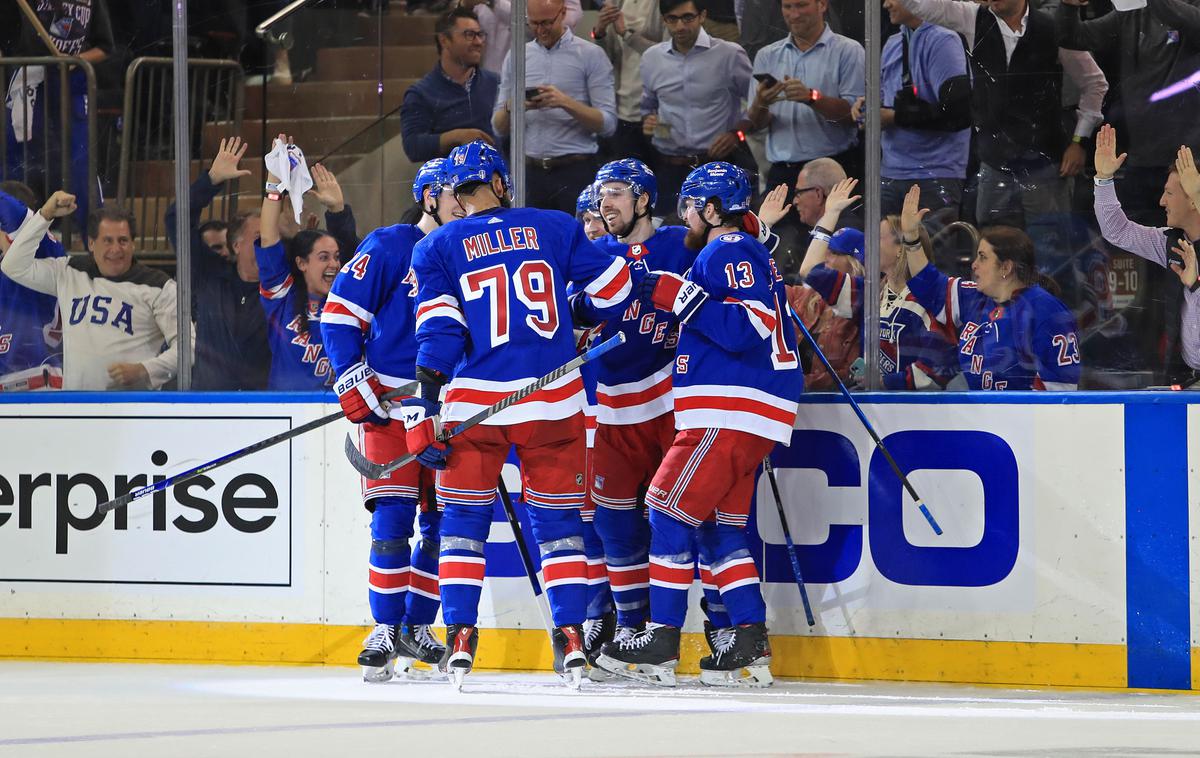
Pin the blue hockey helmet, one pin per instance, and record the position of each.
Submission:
(475, 162)
(633, 172)
(718, 180)
(588, 202)
(848, 241)
(430, 174)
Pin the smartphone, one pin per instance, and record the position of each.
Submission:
(767, 79)
(532, 92)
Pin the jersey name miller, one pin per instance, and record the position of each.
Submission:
(500, 241)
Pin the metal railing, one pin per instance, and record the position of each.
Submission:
(146, 181)
(28, 168)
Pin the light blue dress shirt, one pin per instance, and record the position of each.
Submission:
(836, 67)
(700, 94)
(580, 70)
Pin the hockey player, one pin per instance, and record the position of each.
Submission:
(368, 326)
(635, 420)
(587, 212)
(736, 386)
(492, 312)
(294, 312)
(1012, 333)
(29, 330)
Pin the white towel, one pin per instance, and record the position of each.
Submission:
(287, 163)
(22, 99)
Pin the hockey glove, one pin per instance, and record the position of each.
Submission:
(422, 424)
(358, 391)
(671, 292)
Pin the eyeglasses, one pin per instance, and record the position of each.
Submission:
(685, 18)
(801, 190)
(548, 22)
(471, 35)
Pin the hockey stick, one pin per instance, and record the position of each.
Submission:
(530, 570)
(791, 546)
(149, 489)
(372, 470)
(863, 418)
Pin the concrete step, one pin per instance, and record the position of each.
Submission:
(316, 137)
(359, 63)
(320, 99)
(397, 28)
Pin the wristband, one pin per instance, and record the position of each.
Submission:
(276, 187)
(274, 196)
(814, 95)
(911, 243)
(822, 230)
(1077, 139)
(740, 135)
(820, 234)
(1102, 182)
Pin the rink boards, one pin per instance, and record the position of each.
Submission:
(1068, 555)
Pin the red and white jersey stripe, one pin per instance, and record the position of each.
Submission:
(612, 287)
(444, 306)
(560, 399)
(729, 406)
(339, 310)
(635, 402)
(278, 291)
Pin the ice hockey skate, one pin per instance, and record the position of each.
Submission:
(595, 633)
(378, 656)
(650, 656)
(570, 661)
(418, 651)
(459, 657)
(741, 657)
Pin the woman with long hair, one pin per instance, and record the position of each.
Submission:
(1013, 332)
(294, 279)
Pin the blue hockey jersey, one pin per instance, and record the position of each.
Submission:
(736, 366)
(492, 308)
(298, 361)
(1028, 343)
(30, 331)
(915, 351)
(634, 380)
(370, 313)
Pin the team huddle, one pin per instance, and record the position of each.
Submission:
(636, 471)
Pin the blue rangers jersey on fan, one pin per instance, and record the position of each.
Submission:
(634, 380)
(298, 360)
(1028, 343)
(492, 308)
(736, 366)
(915, 351)
(370, 314)
(30, 331)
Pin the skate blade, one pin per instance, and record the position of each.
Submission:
(457, 675)
(415, 669)
(597, 674)
(756, 674)
(573, 677)
(659, 676)
(379, 674)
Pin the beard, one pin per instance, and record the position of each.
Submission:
(695, 240)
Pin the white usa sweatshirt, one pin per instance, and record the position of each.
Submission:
(126, 319)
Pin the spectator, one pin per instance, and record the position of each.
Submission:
(626, 29)
(452, 105)
(1016, 105)
(570, 98)
(1153, 46)
(1179, 359)
(310, 260)
(792, 222)
(496, 19)
(30, 332)
(119, 313)
(914, 353)
(926, 97)
(231, 332)
(80, 28)
(1013, 333)
(215, 236)
(806, 85)
(693, 89)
